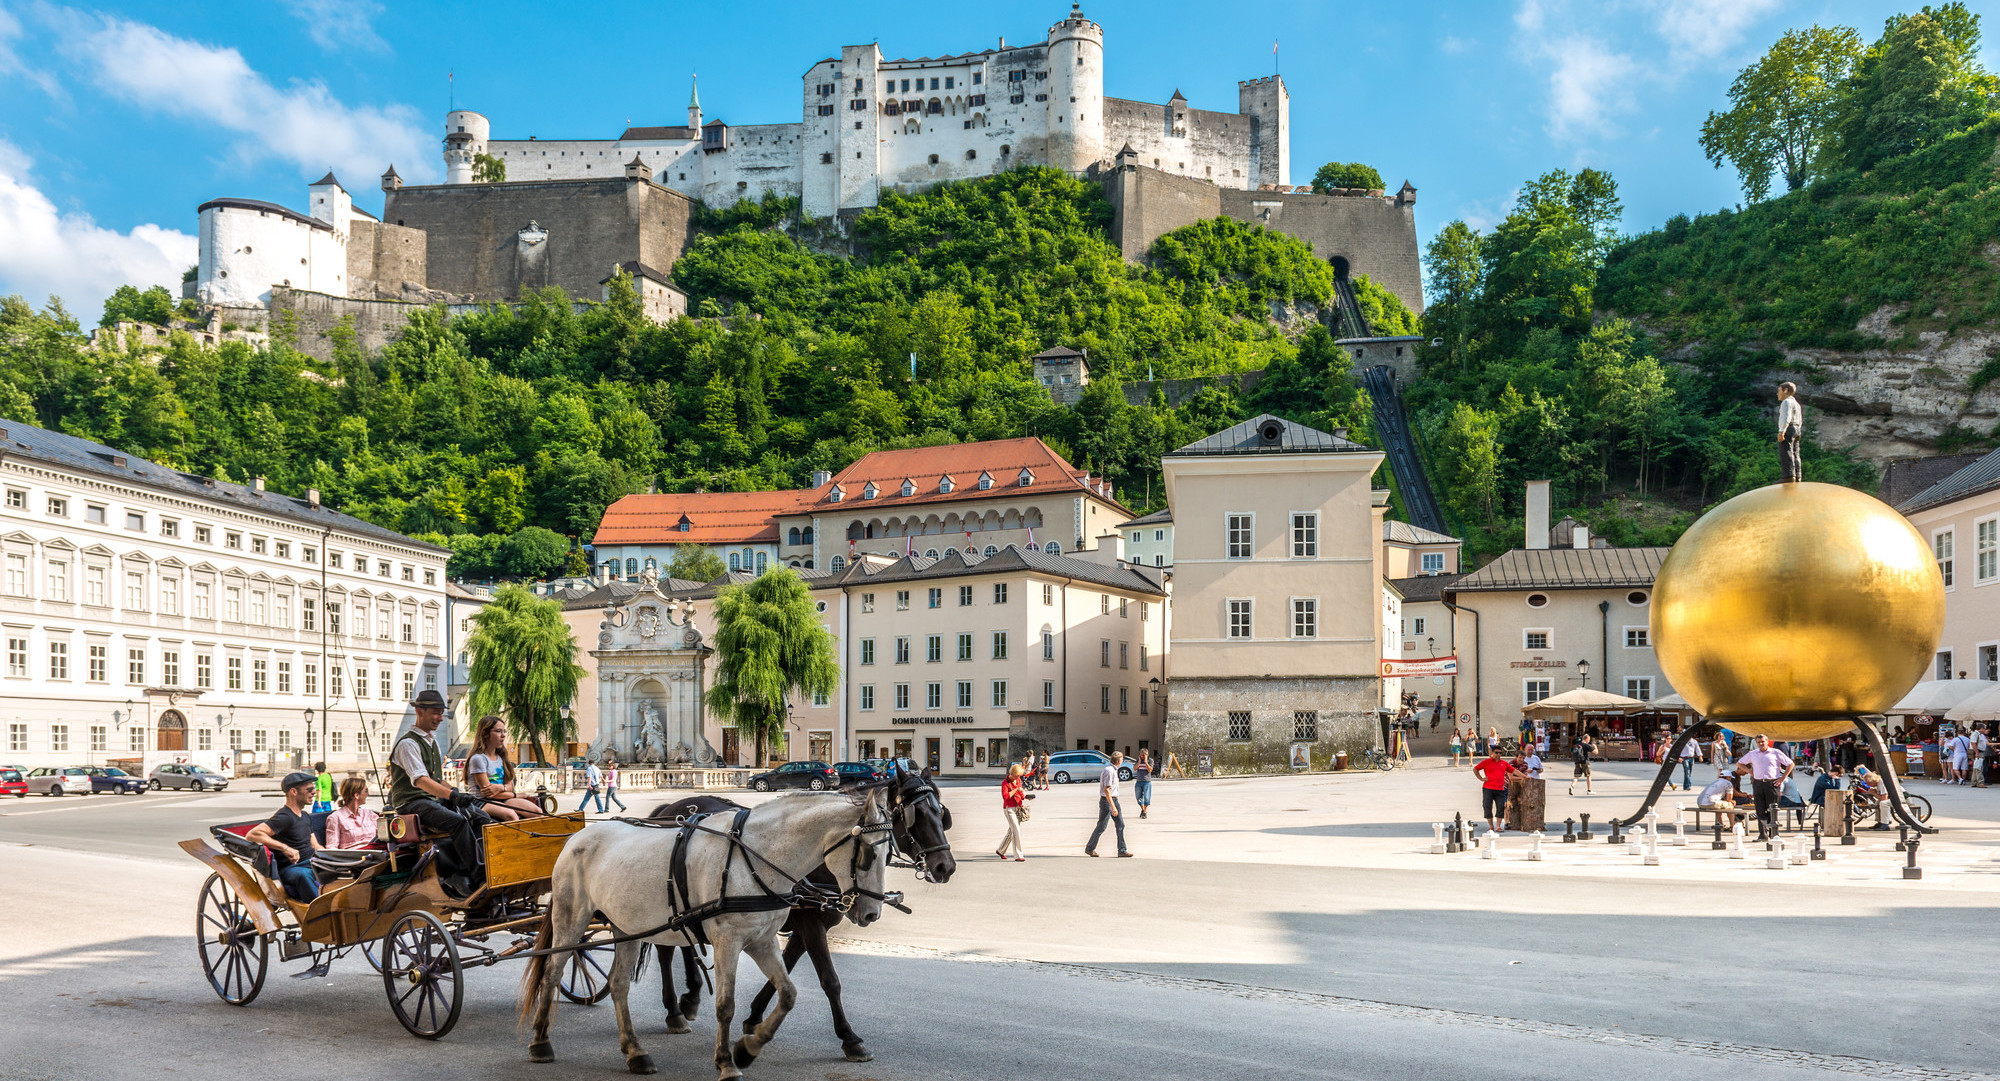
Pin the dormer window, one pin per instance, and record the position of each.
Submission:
(685, 525)
(869, 491)
(836, 495)
(945, 484)
(985, 481)
(909, 486)
(1027, 478)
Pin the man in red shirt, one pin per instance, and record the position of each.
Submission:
(1493, 771)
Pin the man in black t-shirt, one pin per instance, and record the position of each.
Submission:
(288, 834)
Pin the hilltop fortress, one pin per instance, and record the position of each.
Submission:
(573, 212)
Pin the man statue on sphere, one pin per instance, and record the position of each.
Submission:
(1791, 427)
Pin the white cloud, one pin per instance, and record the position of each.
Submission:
(1698, 30)
(1455, 46)
(1588, 84)
(302, 123)
(68, 255)
(10, 61)
(338, 24)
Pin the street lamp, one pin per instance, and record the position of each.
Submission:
(321, 745)
(1583, 671)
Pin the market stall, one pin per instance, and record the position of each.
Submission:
(1606, 716)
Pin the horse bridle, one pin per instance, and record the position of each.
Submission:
(905, 833)
(863, 858)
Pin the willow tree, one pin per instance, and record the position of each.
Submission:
(769, 645)
(524, 665)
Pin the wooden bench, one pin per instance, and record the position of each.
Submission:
(1799, 817)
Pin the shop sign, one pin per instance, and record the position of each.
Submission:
(1539, 663)
(934, 720)
(1432, 666)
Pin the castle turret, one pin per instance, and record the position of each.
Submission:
(1076, 92)
(465, 134)
(390, 181)
(637, 169)
(330, 203)
(1269, 106)
(694, 103)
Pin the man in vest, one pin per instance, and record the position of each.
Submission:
(416, 787)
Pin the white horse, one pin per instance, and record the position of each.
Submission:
(623, 871)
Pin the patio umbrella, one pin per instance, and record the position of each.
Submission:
(1937, 696)
(1984, 706)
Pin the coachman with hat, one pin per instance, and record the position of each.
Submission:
(416, 787)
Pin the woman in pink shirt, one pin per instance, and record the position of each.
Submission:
(351, 824)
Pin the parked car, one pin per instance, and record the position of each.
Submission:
(860, 772)
(817, 776)
(888, 765)
(113, 779)
(59, 781)
(12, 783)
(1067, 766)
(198, 778)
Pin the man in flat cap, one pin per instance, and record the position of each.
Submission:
(288, 834)
(416, 787)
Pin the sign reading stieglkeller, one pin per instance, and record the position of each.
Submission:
(1538, 663)
(934, 720)
(1430, 666)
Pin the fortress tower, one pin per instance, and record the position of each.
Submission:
(1269, 106)
(1076, 93)
(465, 134)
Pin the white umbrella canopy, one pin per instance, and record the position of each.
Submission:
(1585, 699)
(1936, 696)
(1984, 706)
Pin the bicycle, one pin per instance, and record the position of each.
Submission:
(1376, 758)
(1861, 806)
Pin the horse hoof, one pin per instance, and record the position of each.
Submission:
(640, 1064)
(744, 1057)
(541, 1052)
(677, 1026)
(857, 1052)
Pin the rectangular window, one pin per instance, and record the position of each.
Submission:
(309, 554)
(868, 651)
(937, 598)
(232, 540)
(1144, 665)
(430, 629)
(1104, 699)
(332, 617)
(93, 514)
(260, 740)
(58, 660)
(284, 549)
(934, 648)
(309, 672)
(1048, 645)
(361, 681)
(999, 694)
(135, 667)
(333, 741)
(170, 668)
(1535, 640)
(233, 666)
(308, 614)
(1145, 612)
(999, 645)
(964, 596)
(965, 645)
(1124, 654)
(203, 535)
(1533, 691)
(1305, 725)
(1239, 726)
(204, 740)
(1433, 562)
(933, 696)
(867, 696)
(1048, 694)
(58, 580)
(1638, 637)
(59, 507)
(1640, 687)
(1241, 536)
(93, 587)
(902, 651)
(17, 734)
(1943, 665)
(257, 607)
(964, 694)
(1941, 544)
(170, 596)
(1986, 550)
(430, 677)
(204, 600)
(256, 546)
(99, 738)
(135, 740)
(232, 605)
(135, 591)
(1104, 605)
(1145, 702)
(1048, 593)
(999, 593)
(17, 575)
(409, 683)
(1104, 653)
(1239, 618)
(902, 600)
(17, 499)
(204, 671)
(409, 627)
(902, 696)
(868, 602)
(260, 675)
(59, 737)
(1305, 535)
(17, 656)
(99, 660)
(1124, 700)
(1417, 625)
(236, 739)
(284, 677)
(1305, 617)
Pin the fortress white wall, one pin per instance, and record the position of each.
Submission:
(243, 252)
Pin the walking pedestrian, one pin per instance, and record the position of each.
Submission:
(611, 784)
(1142, 782)
(1690, 754)
(1579, 757)
(1107, 806)
(1457, 746)
(1719, 753)
(1768, 769)
(1493, 771)
(1980, 746)
(593, 780)
(322, 789)
(1013, 806)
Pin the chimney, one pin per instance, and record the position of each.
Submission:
(312, 497)
(257, 484)
(1580, 538)
(821, 478)
(1538, 514)
(1110, 551)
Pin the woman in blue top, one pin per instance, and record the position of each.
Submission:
(1142, 790)
(490, 773)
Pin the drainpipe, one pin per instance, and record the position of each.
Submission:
(1604, 644)
(1477, 719)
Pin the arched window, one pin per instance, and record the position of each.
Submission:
(631, 568)
(991, 551)
(794, 564)
(760, 562)
(809, 564)
(839, 564)
(806, 537)
(792, 535)
(930, 553)
(611, 568)
(1052, 548)
(652, 564)
(971, 551)
(735, 562)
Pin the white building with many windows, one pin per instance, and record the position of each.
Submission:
(152, 616)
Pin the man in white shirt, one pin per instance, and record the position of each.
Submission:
(1979, 750)
(1107, 806)
(1721, 793)
(1791, 428)
(416, 787)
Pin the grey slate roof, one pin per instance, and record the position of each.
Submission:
(625, 587)
(1163, 516)
(268, 208)
(18, 440)
(954, 564)
(1242, 439)
(1426, 587)
(1979, 477)
(1405, 533)
(1565, 568)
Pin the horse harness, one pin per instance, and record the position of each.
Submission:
(691, 919)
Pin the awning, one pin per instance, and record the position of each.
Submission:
(1938, 696)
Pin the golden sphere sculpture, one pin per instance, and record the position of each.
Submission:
(1792, 609)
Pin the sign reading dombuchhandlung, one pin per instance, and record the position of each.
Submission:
(1430, 666)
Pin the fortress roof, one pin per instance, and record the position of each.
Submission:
(268, 208)
(329, 178)
(667, 132)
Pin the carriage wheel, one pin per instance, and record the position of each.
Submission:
(371, 951)
(586, 972)
(422, 974)
(233, 954)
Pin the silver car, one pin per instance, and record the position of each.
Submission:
(176, 775)
(59, 781)
(1082, 766)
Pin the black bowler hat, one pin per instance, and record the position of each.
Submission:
(428, 700)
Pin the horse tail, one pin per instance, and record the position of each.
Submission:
(538, 965)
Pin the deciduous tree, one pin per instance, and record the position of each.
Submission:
(769, 645)
(1781, 109)
(524, 665)
(1346, 174)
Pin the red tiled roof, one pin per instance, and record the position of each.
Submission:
(963, 462)
(714, 517)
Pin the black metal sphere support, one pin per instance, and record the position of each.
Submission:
(1873, 733)
(1667, 764)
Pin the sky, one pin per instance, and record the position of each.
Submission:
(117, 121)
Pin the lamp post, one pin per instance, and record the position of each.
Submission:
(320, 746)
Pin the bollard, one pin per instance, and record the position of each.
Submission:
(1616, 838)
(1437, 839)
(1652, 848)
(1800, 856)
(1535, 846)
(1584, 833)
(1718, 845)
(1569, 831)
(1736, 843)
(1911, 871)
(1818, 853)
(1491, 849)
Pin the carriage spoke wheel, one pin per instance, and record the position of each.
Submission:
(586, 972)
(371, 951)
(233, 954)
(422, 975)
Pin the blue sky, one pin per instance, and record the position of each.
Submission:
(116, 121)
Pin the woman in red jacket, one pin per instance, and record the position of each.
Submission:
(1013, 798)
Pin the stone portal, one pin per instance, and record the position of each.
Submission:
(650, 667)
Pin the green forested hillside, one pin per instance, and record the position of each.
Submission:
(538, 416)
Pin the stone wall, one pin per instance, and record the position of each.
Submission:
(1180, 390)
(1198, 716)
(1146, 202)
(1202, 145)
(381, 257)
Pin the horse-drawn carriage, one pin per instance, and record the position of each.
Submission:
(388, 903)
